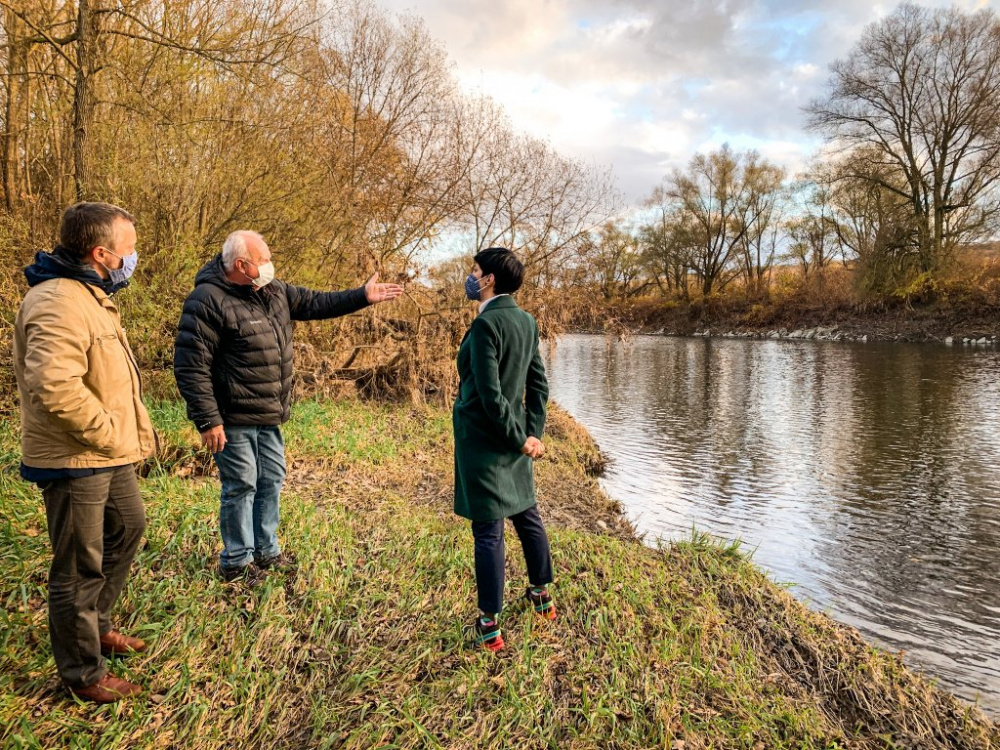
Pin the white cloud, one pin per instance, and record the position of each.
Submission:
(645, 84)
(575, 117)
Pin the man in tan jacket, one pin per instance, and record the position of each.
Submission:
(83, 430)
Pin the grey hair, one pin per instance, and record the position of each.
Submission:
(235, 247)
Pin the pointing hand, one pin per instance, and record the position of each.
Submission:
(375, 292)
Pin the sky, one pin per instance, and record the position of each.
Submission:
(643, 85)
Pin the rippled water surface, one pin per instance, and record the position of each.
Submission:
(866, 474)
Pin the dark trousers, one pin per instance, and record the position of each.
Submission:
(95, 526)
(489, 544)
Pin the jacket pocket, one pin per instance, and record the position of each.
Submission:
(110, 369)
(109, 379)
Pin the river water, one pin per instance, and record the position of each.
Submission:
(867, 475)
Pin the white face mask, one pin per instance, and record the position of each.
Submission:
(265, 274)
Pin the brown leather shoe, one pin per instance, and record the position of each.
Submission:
(249, 575)
(114, 643)
(108, 689)
(283, 562)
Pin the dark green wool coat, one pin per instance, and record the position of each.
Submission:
(501, 401)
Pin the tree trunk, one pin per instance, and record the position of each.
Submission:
(83, 100)
(9, 137)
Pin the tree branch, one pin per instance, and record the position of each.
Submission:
(44, 36)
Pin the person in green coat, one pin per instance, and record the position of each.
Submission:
(498, 419)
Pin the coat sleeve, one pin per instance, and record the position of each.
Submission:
(194, 353)
(484, 351)
(55, 364)
(308, 304)
(536, 393)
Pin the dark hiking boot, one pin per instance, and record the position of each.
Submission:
(282, 562)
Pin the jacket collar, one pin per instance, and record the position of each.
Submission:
(502, 302)
(62, 264)
(214, 273)
(102, 297)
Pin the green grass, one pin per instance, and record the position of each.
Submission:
(361, 431)
(364, 647)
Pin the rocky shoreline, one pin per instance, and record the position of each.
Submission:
(834, 333)
(954, 324)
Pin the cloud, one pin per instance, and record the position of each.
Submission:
(647, 84)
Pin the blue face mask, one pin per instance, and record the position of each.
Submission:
(120, 276)
(472, 290)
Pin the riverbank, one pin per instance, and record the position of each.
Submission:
(689, 646)
(956, 322)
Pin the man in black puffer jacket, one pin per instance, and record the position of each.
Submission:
(233, 365)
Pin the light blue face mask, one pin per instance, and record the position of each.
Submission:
(120, 276)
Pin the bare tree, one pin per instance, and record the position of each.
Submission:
(81, 38)
(522, 194)
(34, 115)
(664, 245)
(846, 210)
(813, 234)
(390, 141)
(921, 90)
(725, 202)
(613, 261)
(760, 221)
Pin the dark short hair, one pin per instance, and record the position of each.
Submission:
(89, 224)
(507, 270)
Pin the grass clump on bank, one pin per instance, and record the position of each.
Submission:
(685, 647)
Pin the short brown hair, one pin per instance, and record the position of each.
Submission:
(89, 224)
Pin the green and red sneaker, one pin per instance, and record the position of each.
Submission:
(541, 601)
(487, 634)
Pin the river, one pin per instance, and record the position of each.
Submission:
(867, 475)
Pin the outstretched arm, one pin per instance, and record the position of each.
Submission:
(308, 304)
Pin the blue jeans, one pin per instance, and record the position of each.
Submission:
(252, 471)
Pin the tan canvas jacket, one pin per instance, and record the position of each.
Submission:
(78, 381)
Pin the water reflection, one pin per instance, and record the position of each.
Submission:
(865, 474)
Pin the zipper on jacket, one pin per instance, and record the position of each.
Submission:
(133, 363)
(138, 379)
(265, 302)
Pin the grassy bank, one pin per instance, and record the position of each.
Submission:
(685, 647)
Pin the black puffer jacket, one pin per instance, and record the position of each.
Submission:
(233, 354)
